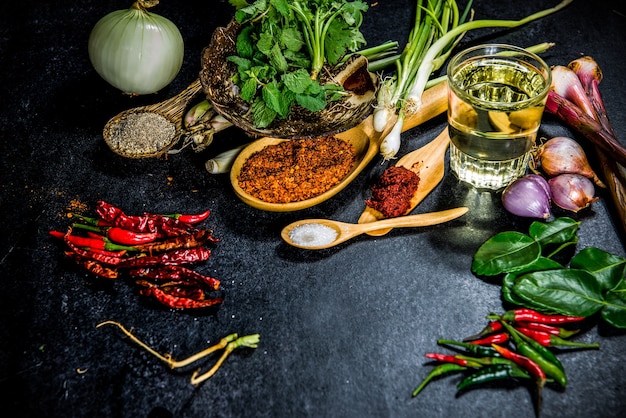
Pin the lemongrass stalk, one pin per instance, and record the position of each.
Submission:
(223, 162)
(427, 66)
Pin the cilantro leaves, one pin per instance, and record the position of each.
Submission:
(283, 46)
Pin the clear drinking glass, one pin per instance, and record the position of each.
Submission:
(496, 98)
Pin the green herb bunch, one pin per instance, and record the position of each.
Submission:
(282, 47)
(593, 282)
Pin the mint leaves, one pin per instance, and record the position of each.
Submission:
(283, 46)
(593, 282)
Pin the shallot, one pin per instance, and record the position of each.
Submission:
(528, 196)
(572, 192)
(563, 155)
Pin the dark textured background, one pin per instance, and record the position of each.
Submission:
(343, 331)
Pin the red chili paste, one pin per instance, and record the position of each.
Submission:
(393, 192)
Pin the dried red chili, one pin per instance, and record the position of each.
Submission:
(392, 193)
(190, 240)
(175, 257)
(176, 302)
(162, 225)
(175, 273)
(93, 266)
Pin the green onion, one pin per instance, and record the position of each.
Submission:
(438, 28)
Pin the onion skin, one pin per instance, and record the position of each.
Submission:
(528, 197)
(563, 155)
(572, 192)
(136, 51)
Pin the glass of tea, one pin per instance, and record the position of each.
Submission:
(496, 98)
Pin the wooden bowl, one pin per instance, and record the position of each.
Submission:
(363, 141)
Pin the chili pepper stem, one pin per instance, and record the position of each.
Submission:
(230, 343)
(245, 341)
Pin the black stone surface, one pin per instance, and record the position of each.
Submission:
(343, 331)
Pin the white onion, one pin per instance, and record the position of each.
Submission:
(136, 51)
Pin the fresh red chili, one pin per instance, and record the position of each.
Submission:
(175, 302)
(524, 362)
(190, 218)
(124, 236)
(447, 358)
(175, 257)
(537, 326)
(103, 258)
(175, 273)
(550, 340)
(91, 242)
(498, 338)
(493, 326)
(525, 314)
(117, 234)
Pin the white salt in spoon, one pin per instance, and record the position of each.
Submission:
(317, 234)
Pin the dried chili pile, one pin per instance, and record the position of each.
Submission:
(392, 193)
(296, 170)
(155, 251)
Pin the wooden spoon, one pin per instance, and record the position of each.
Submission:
(172, 109)
(363, 138)
(428, 163)
(345, 231)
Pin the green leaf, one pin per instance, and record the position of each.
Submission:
(559, 231)
(262, 115)
(311, 103)
(564, 291)
(282, 6)
(243, 64)
(273, 98)
(615, 310)
(608, 269)
(265, 43)
(244, 44)
(297, 81)
(504, 253)
(277, 59)
(540, 264)
(292, 39)
(248, 90)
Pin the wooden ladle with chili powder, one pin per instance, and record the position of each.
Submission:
(364, 141)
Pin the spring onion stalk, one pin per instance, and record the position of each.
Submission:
(445, 27)
(433, 19)
(430, 58)
(223, 162)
